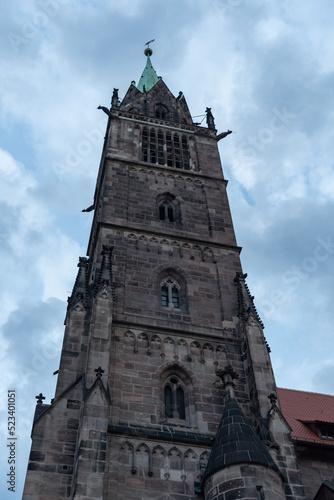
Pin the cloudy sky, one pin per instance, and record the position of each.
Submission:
(267, 71)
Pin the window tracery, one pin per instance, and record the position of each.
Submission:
(166, 211)
(165, 148)
(174, 399)
(170, 296)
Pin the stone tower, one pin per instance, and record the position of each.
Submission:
(165, 387)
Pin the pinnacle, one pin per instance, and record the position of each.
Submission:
(80, 288)
(105, 274)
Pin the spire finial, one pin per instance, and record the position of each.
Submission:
(149, 77)
(148, 51)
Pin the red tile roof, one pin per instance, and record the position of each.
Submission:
(299, 407)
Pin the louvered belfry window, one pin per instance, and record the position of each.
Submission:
(165, 148)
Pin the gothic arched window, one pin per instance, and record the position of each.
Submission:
(170, 293)
(161, 111)
(166, 211)
(174, 399)
(165, 148)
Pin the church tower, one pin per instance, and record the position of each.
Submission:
(165, 387)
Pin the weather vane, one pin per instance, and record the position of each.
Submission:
(148, 43)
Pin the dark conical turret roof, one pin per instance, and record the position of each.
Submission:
(236, 442)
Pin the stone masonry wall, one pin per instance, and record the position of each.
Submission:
(316, 465)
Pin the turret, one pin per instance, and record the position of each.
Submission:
(239, 462)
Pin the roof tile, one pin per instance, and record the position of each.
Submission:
(299, 407)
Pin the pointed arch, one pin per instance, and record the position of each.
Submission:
(175, 458)
(177, 395)
(203, 461)
(142, 455)
(158, 459)
(169, 340)
(161, 111)
(208, 351)
(171, 291)
(190, 460)
(155, 342)
(168, 208)
(126, 454)
(143, 337)
(195, 349)
(182, 349)
(129, 338)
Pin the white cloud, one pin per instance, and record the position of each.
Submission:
(39, 259)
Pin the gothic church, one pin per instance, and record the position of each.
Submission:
(165, 387)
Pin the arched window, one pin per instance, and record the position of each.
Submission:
(166, 211)
(168, 208)
(165, 149)
(161, 111)
(174, 399)
(170, 293)
(177, 400)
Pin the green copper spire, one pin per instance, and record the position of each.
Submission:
(149, 77)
